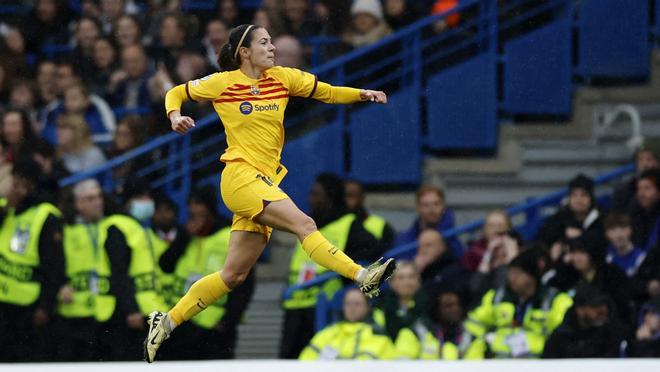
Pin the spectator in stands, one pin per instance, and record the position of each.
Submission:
(46, 76)
(83, 212)
(443, 6)
(431, 213)
(497, 224)
(647, 337)
(374, 224)
(16, 135)
(585, 263)
(173, 35)
(621, 251)
(198, 252)
(164, 221)
(590, 328)
(580, 217)
(437, 265)
(398, 13)
(23, 96)
(353, 338)
(74, 144)
(646, 157)
(105, 65)
(402, 312)
(87, 30)
(97, 113)
(131, 133)
(65, 77)
(503, 324)
(288, 52)
(31, 242)
(647, 280)
(645, 210)
(328, 209)
(368, 23)
(47, 23)
(217, 35)
(129, 85)
(447, 315)
(494, 265)
(299, 20)
(228, 13)
(111, 11)
(13, 53)
(127, 32)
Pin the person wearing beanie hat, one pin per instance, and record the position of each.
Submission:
(590, 328)
(646, 157)
(31, 248)
(501, 326)
(580, 217)
(368, 24)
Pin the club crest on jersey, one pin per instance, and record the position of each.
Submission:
(245, 107)
(254, 90)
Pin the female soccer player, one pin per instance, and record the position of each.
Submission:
(250, 96)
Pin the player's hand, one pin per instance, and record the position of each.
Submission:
(181, 124)
(373, 96)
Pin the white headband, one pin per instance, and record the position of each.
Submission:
(238, 46)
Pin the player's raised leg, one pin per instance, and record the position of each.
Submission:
(285, 215)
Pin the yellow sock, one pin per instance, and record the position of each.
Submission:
(327, 255)
(201, 294)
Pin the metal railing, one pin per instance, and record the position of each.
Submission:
(531, 209)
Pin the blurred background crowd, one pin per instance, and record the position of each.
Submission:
(84, 81)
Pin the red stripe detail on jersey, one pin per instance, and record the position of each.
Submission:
(221, 100)
(249, 95)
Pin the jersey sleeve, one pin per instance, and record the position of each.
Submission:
(298, 82)
(207, 88)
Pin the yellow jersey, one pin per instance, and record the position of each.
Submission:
(252, 110)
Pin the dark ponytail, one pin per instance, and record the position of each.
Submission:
(228, 59)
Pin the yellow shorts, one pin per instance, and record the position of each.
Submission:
(246, 191)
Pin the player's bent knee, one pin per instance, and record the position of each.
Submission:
(234, 278)
(307, 226)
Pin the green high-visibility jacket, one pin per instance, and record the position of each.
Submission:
(345, 340)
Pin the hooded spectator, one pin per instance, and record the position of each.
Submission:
(590, 328)
(647, 337)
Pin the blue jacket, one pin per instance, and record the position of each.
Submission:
(99, 117)
(446, 222)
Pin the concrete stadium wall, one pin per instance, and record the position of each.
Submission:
(584, 365)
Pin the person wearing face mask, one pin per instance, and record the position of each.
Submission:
(590, 328)
(197, 250)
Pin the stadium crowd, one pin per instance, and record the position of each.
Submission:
(82, 82)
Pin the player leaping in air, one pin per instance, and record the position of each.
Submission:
(250, 96)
